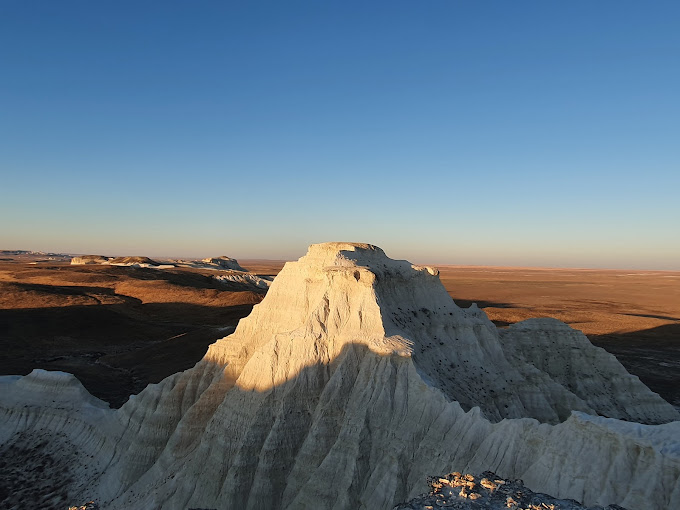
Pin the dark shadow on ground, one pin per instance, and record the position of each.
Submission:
(183, 277)
(652, 316)
(66, 290)
(651, 354)
(466, 303)
(115, 350)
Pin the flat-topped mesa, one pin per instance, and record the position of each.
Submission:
(368, 256)
(331, 296)
(90, 259)
(223, 262)
(342, 295)
(314, 308)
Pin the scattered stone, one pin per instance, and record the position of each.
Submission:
(90, 505)
(491, 495)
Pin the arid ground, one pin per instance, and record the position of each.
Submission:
(116, 328)
(634, 315)
(120, 328)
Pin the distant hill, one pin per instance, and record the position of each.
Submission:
(222, 263)
(133, 260)
(119, 261)
(90, 259)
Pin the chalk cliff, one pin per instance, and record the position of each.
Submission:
(223, 262)
(355, 378)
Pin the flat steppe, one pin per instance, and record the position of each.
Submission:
(116, 328)
(120, 328)
(634, 315)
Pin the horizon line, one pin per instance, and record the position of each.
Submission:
(435, 264)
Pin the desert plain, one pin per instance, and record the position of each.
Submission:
(120, 328)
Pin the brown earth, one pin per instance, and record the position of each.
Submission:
(119, 328)
(634, 315)
(262, 267)
(116, 328)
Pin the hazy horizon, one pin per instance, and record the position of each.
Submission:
(464, 261)
(507, 134)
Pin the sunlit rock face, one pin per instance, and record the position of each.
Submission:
(222, 262)
(487, 491)
(90, 259)
(355, 378)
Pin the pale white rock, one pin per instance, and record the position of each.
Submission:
(351, 382)
(222, 263)
(247, 279)
(591, 373)
(90, 259)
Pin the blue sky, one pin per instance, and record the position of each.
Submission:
(506, 133)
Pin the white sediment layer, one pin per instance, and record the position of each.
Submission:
(245, 279)
(351, 382)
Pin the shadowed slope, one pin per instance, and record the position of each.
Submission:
(652, 354)
(116, 328)
(363, 431)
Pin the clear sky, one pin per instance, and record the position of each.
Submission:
(464, 132)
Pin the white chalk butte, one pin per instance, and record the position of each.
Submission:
(352, 381)
(222, 263)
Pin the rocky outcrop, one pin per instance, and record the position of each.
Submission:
(90, 259)
(90, 505)
(355, 378)
(116, 261)
(488, 491)
(129, 261)
(223, 263)
(247, 279)
(596, 377)
(217, 263)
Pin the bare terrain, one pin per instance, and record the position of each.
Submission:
(120, 328)
(116, 328)
(634, 315)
